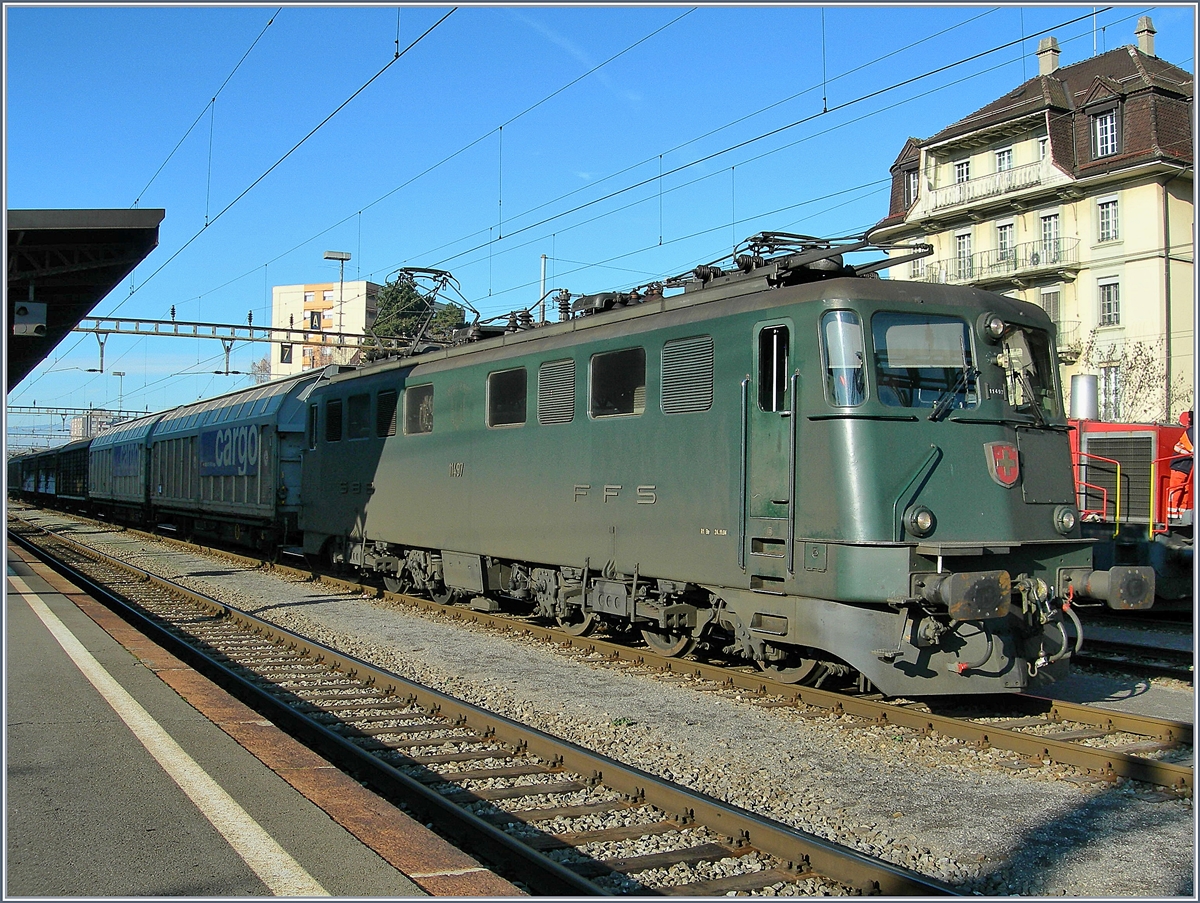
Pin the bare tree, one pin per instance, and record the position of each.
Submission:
(260, 370)
(1134, 380)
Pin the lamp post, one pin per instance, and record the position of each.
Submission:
(341, 257)
(120, 375)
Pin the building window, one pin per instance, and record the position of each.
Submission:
(962, 172)
(917, 268)
(1107, 217)
(327, 295)
(1110, 303)
(1104, 133)
(1043, 147)
(1050, 246)
(418, 410)
(1110, 392)
(1051, 303)
(506, 397)
(308, 297)
(1005, 246)
(618, 383)
(962, 254)
(1004, 160)
(912, 184)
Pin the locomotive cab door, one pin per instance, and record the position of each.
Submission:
(770, 473)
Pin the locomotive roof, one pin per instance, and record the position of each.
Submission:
(736, 294)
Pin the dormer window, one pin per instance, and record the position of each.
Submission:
(1105, 137)
(962, 172)
(912, 184)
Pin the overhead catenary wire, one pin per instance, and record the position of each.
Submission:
(661, 174)
(200, 116)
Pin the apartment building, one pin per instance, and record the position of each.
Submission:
(1073, 191)
(316, 314)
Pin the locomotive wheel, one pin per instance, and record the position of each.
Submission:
(794, 670)
(671, 645)
(579, 624)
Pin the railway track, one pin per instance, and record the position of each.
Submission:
(500, 789)
(1102, 742)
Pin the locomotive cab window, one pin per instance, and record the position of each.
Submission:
(842, 352)
(923, 361)
(418, 410)
(333, 420)
(1028, 361)
(506, 392)
(359, 417)
(773, 345)
(618, 383)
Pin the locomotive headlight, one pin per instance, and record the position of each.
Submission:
(919, 521)
(1064, 519)
(992, 326)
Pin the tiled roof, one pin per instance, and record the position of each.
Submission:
(1123, 70)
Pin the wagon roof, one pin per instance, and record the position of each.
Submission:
(129, 431)
(253, 402)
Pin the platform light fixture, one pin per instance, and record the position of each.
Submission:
(341, 257)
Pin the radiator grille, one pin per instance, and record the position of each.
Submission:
(556, 392)
(687, 375)
(1136, 453)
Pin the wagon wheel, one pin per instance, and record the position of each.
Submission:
(578, 623)
(442, 594)
(794, 669)
(394, 583)
(672, 645)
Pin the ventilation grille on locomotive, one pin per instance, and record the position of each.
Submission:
(556, 392)
(687, 375)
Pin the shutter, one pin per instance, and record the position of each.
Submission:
(687, 375)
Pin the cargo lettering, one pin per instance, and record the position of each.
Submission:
(232, 451)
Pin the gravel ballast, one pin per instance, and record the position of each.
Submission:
(982, 820)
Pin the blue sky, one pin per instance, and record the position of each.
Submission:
(473, 150)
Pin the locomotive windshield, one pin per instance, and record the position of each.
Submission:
(1028, 363)
(923, 361)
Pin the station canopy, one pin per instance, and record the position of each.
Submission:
(68, 260)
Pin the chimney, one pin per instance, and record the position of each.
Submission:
(1047, 54)
(1145, 35)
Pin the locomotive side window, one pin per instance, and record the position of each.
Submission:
(359, 417)
(1029, 369)
(385, 414)
(773, 344)
(687, 375)
(556, 392)
(618, 383)
(845, 380)
(418, 410)
(506, 392)
(919, 359)
(333, 420)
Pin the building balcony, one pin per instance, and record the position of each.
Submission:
(995, 185)
(1015, 265)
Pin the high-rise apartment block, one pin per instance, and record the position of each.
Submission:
(317, 314)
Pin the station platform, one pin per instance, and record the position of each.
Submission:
(130, 774)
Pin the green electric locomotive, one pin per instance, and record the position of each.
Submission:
(789, 461)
